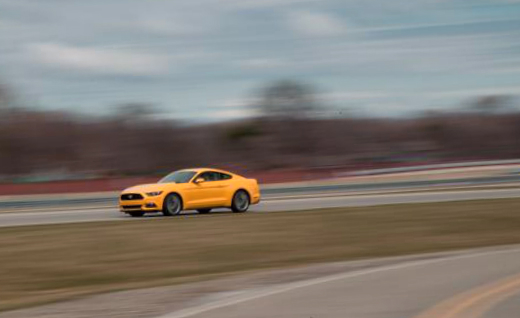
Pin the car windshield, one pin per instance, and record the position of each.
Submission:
(178, 177)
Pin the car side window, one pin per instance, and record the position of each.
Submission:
(214, 176)
(204, 176)
(209, 176)
(224, 176)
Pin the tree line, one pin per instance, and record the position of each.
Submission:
(289, 132)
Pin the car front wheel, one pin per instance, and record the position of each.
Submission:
(172, 205)
(240, 202)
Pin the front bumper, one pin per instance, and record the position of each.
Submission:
(147, 204)
(255, 199)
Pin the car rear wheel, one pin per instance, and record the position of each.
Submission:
(204, 211)
(240, 202)
(136, 214)
(172, 205)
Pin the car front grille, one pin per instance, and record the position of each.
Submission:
(131, 196)
(131, 207)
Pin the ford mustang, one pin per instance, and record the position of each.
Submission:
(199, 189)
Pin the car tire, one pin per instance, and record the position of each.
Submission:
(172, 205)
(204, 211)
(241, 202)
(136, 214)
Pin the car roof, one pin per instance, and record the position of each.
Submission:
(207, 169)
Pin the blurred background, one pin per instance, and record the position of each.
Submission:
(394, 125)
(280, 89)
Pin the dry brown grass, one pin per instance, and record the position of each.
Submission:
(48, 263)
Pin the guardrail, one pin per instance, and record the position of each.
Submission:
(433, 167)
(110, 199)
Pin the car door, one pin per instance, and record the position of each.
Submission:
(209, 193)
(224, 188)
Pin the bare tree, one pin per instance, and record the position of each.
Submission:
(492, 104)
(134, 141)
(288, 109)
(5, 97)
(134, 112)
(288, 99)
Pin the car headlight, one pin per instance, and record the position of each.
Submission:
(153, 194)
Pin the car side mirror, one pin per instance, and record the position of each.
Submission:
(199, 180)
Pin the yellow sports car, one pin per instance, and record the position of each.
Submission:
(199, 189)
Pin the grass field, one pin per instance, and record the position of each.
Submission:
(53, 262)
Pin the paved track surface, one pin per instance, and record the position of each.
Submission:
(285, 203)
(484, 284)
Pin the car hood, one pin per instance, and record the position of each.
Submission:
(152, 187)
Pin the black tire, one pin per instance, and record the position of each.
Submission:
(241, 202)
(136, 214)
(172, 205)
(204, 211)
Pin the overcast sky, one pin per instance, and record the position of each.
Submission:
(205, 59)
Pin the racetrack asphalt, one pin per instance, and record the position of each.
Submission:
(280, 203)
(483, 284)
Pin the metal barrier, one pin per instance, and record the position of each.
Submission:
(110, 199)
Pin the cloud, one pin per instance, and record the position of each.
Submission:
(409, 97)
(458, 56)
(170, 26)
(238, 103)
(230, 114)
(208, 50)
(252, 4)
(234, 108)
(97, 60)
(315, 24)
(472, 92)
(260, 63)
(354, 96)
